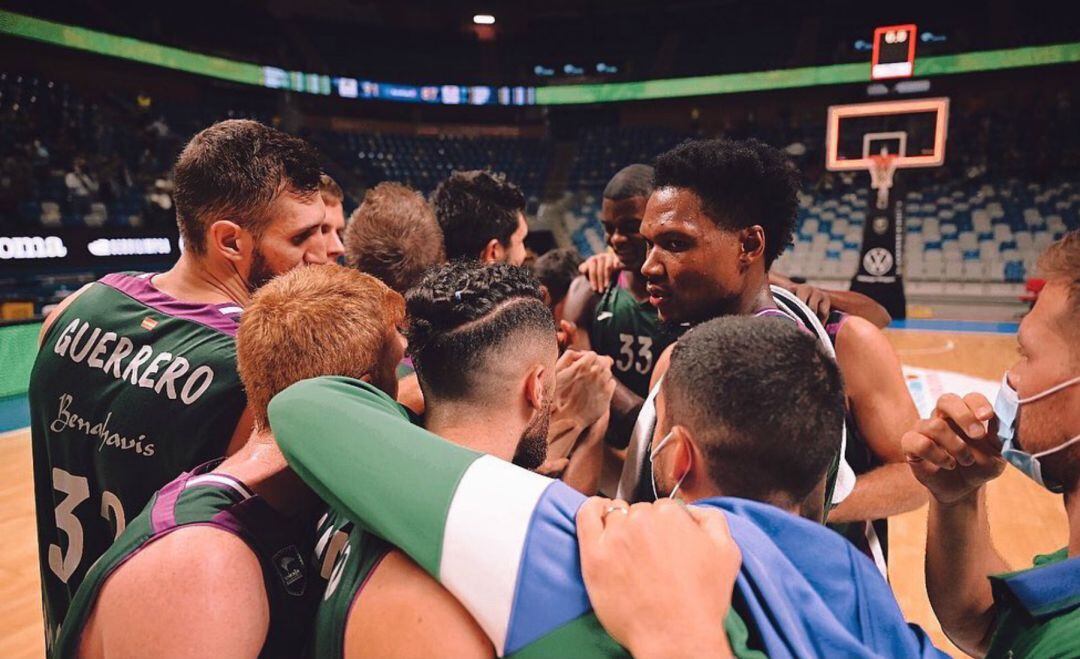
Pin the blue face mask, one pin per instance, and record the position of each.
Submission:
(652, 469)
(1005, 408)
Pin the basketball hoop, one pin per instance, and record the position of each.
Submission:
(882, 167)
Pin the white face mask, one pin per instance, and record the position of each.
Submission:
(652, 469)
(1005, 409)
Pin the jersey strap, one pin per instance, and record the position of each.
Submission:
(221, 317)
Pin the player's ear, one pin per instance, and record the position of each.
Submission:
(683, 450)
(535, 393)
(229, 240)
(546, 295)
(493, 252)
(752, 246)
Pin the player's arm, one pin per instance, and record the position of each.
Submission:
(403, 612)
(860, 305)
(587, 459)
(821, 301)
(954, 454)
(883, 410)
(579, 309)
(197, 592)
(55, 313)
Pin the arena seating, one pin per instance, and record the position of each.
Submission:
(966, 232)
(983, 220)
(422, 162)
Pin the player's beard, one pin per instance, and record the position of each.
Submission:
(260, 272)
(531, 451)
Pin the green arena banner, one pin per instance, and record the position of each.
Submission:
(810, 76)
(18, 348)
(127, 48)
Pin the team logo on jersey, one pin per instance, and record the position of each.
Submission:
(290, 569)
(878, 261)
(149, 323)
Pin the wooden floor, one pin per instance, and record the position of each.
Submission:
(1025, 519)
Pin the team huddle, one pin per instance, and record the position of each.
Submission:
(450, 447)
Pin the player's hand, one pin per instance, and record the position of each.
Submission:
(660, 576)
(956, 451)
(553, 468)
(815, 298)
(599, 269)
(584, 386)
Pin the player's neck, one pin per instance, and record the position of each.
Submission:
(635, 282)
(756, 296)
(1072, 511)
(262, 468)
(475, 427)
(195, 279)
(692, 492)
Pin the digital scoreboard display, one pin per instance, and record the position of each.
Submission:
(312, 83)
(894, 52)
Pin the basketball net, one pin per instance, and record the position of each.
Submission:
(882, 168)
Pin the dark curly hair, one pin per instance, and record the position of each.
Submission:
(740, 182)
(460, 312)
(474, 207)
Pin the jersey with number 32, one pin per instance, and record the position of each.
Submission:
(130, 388)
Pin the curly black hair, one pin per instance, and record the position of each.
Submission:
(740, 182)
(472, 208)
(461, 311)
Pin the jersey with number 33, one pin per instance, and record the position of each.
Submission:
(631, 334)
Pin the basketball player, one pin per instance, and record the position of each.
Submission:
(484, 347)
(721, 213)
(393, 235)
(217, 564)
(618, 319)
(556, 270)
(1034, 425)
(482, 216)
(620, 322)
(136, 377)
(503, 540)
(334, 226)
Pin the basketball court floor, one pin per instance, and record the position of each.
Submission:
(1025, 519)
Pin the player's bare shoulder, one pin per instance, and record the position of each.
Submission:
(55, 313)
(199, 586)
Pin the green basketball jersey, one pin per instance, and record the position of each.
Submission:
(129, 388)
(346, 556)
(200, 498)
(630, 333)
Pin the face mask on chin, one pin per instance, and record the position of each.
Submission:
(1006, 409)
